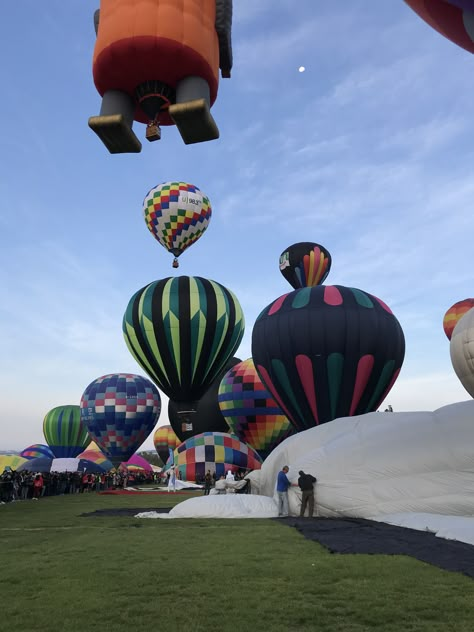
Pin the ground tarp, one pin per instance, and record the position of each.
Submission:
(357, 535)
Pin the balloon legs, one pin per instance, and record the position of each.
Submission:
(114, 124)
(191, 113)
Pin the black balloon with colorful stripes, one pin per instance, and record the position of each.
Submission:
(325, 352)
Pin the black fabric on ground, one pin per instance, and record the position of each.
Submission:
(356, 535)
(123, 512)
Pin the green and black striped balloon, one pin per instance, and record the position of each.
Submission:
(64, 431)
(182, 331)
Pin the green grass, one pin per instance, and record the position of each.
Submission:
(61, 572)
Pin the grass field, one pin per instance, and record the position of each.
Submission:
(62, 572)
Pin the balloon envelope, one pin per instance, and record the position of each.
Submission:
(249, 409)
(182, 331)
(120, 410)
(205, 416)
(136, 463)
(176, 214)
(164, 439)
(36, 451)
(461, 349)
(11, 461)
(453, 19)
(305, 264)
(96, 457)
(214, 451)
(64, 431)
(327, 352)
(454, 314)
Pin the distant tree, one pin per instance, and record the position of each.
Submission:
(152, 457)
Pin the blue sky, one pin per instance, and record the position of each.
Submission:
(368, 152)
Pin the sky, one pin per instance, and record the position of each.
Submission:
(368, 152)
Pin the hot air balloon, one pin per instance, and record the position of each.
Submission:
(461, 349)
(249, 409)
(176, 214)
(11, 462)
(182, 332)
(165, 439)
(207, 416)
(452, 18)
(64, 431)
(454, 314)
(305, 264)
(136, 463)
(157, 62)
(97, 457)
(218, 452)
(120, 410)
(36, 451)
(327, 352)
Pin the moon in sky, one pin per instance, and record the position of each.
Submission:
(301, 69)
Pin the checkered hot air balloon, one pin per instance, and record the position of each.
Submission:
(218, 452)
(249, 409)
(64, 431)
(452, 18)
(327, 352)
(176, 214)
(182, 332)
(120, 410)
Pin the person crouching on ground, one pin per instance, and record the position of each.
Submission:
(306, 484)
(283, 484)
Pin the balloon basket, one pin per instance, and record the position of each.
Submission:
(153, 132)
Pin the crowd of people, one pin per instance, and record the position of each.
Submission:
(25, 485)
(34, 485)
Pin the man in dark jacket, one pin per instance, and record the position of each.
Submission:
(306, 484)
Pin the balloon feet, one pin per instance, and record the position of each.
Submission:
(153, 132)
(175, 263)
(194, 121)
(116, 134)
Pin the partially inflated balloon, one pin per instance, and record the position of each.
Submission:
(64, 431)
(454, 314)
(327, 352)
(461, 349)
(96, 456)
(136, 463)
(11, 462)
(182, 331)
(120, 410)
(165, 439)
(249, 409)
(218, 452)
(452, 18)
(36, 451)
(205, 416)
(176, 214)
(305, 264)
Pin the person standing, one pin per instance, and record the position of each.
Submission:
(172, 480)
(282, 490)
(207, 483)
(37, 486)
(306, 484)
